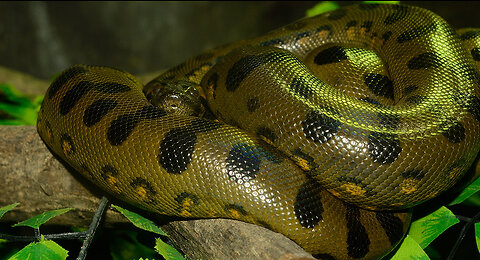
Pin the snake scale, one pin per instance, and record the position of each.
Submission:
(325, 130)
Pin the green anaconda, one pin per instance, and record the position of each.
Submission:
(324, 130)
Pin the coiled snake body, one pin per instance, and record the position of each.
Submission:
(379, 104)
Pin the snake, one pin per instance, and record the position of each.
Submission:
(327, 130)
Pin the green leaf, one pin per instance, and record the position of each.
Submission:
(167, 251)
(7, 208)
(467, 192)
(140, 221)
(410, 249)
(472, 201)
(426, 229)
(16, 108)
(477, 235)
(38, 220)
(321, 8)
(45, 249)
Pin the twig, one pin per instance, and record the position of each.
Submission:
(68, 235)
(93, 227)
(462, 235)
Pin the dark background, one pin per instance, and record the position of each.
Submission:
(43, 38)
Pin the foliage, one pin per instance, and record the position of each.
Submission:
(16, 108)
(44, 249)
(48, 249)
(38, 220)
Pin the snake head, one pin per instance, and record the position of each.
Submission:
(178, 97)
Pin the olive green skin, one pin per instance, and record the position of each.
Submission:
(324, 130)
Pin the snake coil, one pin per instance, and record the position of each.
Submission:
(324, 130)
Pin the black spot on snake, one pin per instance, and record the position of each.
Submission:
(358, 182)
(308, 205)
(66, 142)
(253, 104)
(323, 28)
(414, 174)
(267, 133)
(302, 35)
(112, 87)
(331, 55)
(400, 13)
(97, 110)
(358, 243)
(241, 69)
(345, 179)
(468, 35)
(455, 133)
(384, 148)
(386, 36)
(380, 85)
(424, 61)
(212, 81)
(319, 127)
(337, 14)
(300, 87)
(270, 154)
(198, 70)
(236, 208)
(49, 133)
(107, 171)
(416, 32)
(74, 95)
(243, 162)
(61, 80)
(176, 150)
(351, 24)
(186, 196)
(409, 90)
(392, 225)
(272, 42)
(86, 170)
(143, 183)
(121, 128)
(367, 25)
(302, 155)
